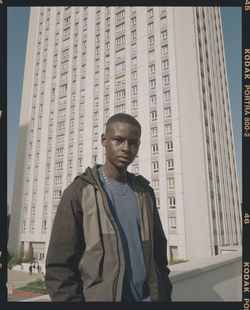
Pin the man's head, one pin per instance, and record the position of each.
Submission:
(121, 140)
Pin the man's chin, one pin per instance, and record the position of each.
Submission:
(122, 164)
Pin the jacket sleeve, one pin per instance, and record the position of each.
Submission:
(160, 251)
(62, 278)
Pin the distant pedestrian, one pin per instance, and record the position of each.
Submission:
(30, 269)
(34, 266)
(38, 268)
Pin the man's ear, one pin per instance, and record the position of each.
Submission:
(103, 139)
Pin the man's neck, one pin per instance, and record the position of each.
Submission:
(114, 173)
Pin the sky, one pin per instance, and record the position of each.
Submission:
(17, 30)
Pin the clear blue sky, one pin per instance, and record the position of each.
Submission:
(18, 19)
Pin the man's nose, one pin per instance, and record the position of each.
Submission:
(125, 146)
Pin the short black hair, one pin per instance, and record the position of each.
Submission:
(123, 118)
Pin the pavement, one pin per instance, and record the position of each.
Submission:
(18, 279)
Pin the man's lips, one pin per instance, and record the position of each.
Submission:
(124, 158)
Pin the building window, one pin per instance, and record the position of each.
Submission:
(152, 84)
(134, 75)
(54, 210)
(134, 61)
(163, 21)
(33, 211)
(165, 80)
(120, 94)
(166, 96)
(168, 129)
(94, 159)
(106, 99)
(70, 163)
(65, 53)
(134, 104)
(155, 184)
(151, 40)
(134, 90)
(106, 72)
(107, 58)
(120, 40)
(66, 32)
(69, 178)
(164, 50)
(172, 223)
(151, 69)
(171, 183)
(155, 149)
(59, 165)
(120, 81)
(165, 64)
(106, 86)
(70, 149)
(106, 113)
(133, 21)
(32, 226)
(133, 34)
(107, 46)
(150, 27)
(153, 115)
(154, 132)
(120, 67)
(150, 13)
(44, 225)
(170, 165)
(80, 148)
(120, 108)
(155, 166)
(120, 27)
(57, 194)
(58, 179)
(164, 35)
(120, 15)
(107, 34)
(98, 14)
(60, 139)
(167, 112)
(135, 169)
(63, 89)
(171, 203)
(133, 48)
(169, 146)
(120, 53)
(80, 162)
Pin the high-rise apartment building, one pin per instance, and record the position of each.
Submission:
(163, 65)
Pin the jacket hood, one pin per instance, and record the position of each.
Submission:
(90, 175)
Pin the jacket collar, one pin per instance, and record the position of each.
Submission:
(90, 175)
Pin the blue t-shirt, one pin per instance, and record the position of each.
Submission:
(125, 211)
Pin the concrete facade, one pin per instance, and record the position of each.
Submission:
(163, 65)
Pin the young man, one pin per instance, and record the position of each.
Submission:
(107, 242)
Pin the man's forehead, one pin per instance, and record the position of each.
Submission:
(123, 128)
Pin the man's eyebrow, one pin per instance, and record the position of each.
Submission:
(120, 137)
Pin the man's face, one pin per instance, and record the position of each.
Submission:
(122, 142)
